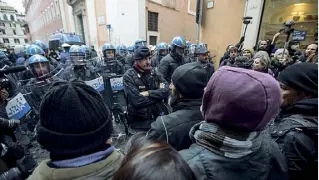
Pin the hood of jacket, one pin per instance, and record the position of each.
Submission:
(103, 169)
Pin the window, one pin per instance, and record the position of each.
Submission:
(2, 24)
(10, 25)
(14, 32)
(25, 40)
(5, 17)
(153, 40)
(5, 40)
(13, 25)
(12, 18)
(152, 21)
(2, 31)
(24, 32)
(17, 41)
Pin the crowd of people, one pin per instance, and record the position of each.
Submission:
(255, 117)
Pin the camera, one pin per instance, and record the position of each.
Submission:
(288, 27)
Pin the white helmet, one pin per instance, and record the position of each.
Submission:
(66, 45)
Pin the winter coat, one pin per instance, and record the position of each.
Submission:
(168, 65)
(143, 109)
(208, 66)
(175, 127)
(100, 170)
(129, 61)
(294, 124)
(264, 163)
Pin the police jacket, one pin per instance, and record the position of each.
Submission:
(129, 61)
(175, 126)
(144, 108)
(168, 65)
(295, 130)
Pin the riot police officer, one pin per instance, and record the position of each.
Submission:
(43, 77)
(162, 51)
(87, 51)
(64, 55)
(203, 60)
(110, 64)
(121, 52)
(129, 61)
(187, 52)
(146, 90)
(79, 67)
(192, 56)
(31, 50)
(4, 60)
(130, 49)
(170, 62)
(45, 48)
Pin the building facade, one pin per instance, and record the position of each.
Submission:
(45, 17)
(12, 31)
(222, 22)
(118, 22)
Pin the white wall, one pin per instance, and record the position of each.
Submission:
(127, 19)
(92, 22)
(253, 9)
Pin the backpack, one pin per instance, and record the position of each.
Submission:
(304, 139)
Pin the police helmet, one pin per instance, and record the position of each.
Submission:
(41, 44)
(34, 49)
(108, 51)
(139, 42)
(40, 66)
(130, 49)
(77, 54)
(204, 45)
(178, 41)
(121, 50)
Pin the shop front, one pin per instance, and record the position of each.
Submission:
(303, 12)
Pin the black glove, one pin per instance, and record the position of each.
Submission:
(26, 165)
(12, 155)
(12, 174)
(12, 124)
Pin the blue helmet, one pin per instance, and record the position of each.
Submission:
(121, 50)
(75, 49)
(130, 49)
(77, 54)
(37, 59)
(188, 44)
(179, 41)
(40, 71)
(85, 47)
(139, 42)
(34, 49)
(162, 46)
(108, 51)
(41, 44)
(162, 49)
(2, 55)
(192, 48)
(202, 45)
(108, 46)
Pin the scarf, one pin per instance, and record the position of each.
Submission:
(83, 160)
(224, 142)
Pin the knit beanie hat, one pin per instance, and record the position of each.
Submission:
(74, 119)
(190, 80)
(241, 100)
(302, 77)
(141, 52)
